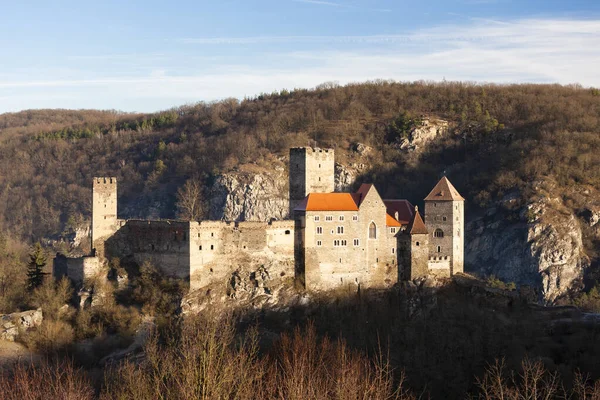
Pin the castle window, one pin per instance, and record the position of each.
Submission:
(198, 234)
(355, 218)
(317, 218)
(344, 243)
(105, 217)
(336, 243)
(212, 246)
(287, 232)
(417, 244)
(438, 233)
(392, 230)
(439, 249)
(372, 231)
(444, 218)
(152, 246)
(212, 234)
(341, 217)
(319, 165)
(319, 179)
(319, 230)
(340, 260)
(319, 243)
(356, 242)
(393, 250)
(329, 218)
(435, 204)
(199, 247)
(340, 230)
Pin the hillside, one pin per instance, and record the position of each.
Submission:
(525, 157)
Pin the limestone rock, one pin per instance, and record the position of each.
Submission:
(423, 134)
(12, 325)
(362, 149)
(540, 246)
(344, 177)
(249, 197)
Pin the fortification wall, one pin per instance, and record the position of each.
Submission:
(439, 266)
(217, 249)
(77, 269)
(165, 244)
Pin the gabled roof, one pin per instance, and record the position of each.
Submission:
(391, 221)
(444, 191)
(328, 202)
(404, 209)
(361, 193)
(416, 226)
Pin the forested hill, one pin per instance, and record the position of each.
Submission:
(502, 138)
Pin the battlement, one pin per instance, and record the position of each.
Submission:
(105, 180)
(308, 149)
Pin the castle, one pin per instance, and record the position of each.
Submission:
(333, 239)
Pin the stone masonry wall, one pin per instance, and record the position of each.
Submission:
(448, 217)
(104, 211)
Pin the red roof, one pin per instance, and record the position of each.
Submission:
(404, 209)
(328, 202)
(417, 227)
(444, 191)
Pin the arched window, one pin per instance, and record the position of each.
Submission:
(438, 233)
(439, 249)
(372, 231)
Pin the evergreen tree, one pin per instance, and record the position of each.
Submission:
(35, 267)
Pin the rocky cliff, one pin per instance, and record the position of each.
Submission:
(539, 244)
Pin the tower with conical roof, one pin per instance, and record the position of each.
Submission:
(445, 222)
(414, 249)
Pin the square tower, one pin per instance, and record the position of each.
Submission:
(312, 170)
(445, 222)
(104, 211)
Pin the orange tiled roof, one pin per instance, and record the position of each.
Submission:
(391, 221)
(328, 202)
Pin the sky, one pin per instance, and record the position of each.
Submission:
(152, 55)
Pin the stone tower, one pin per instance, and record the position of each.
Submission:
(104, 211)
(445, 222)
(415, 249)
(312, 170)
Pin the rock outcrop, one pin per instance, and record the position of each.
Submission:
(12, 325)
(540, 245)
(423, 134)
(240, 196)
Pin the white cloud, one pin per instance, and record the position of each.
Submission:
(535, 50)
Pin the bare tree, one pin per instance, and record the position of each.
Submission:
(190, 202)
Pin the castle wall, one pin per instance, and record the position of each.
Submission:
(439, 266)
(104, 211)
(165, 244)
(311, 170)
(77, 269)
(217, 247)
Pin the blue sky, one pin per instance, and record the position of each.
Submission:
(152, 55)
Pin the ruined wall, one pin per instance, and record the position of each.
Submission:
(448, 217)
(77, 269)
(311, 170)
(165, 244)
(217, 249)
(104, 211)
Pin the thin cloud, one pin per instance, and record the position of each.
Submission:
(534, 50)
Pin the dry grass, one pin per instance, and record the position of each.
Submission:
(208, 361)
(46, 381)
